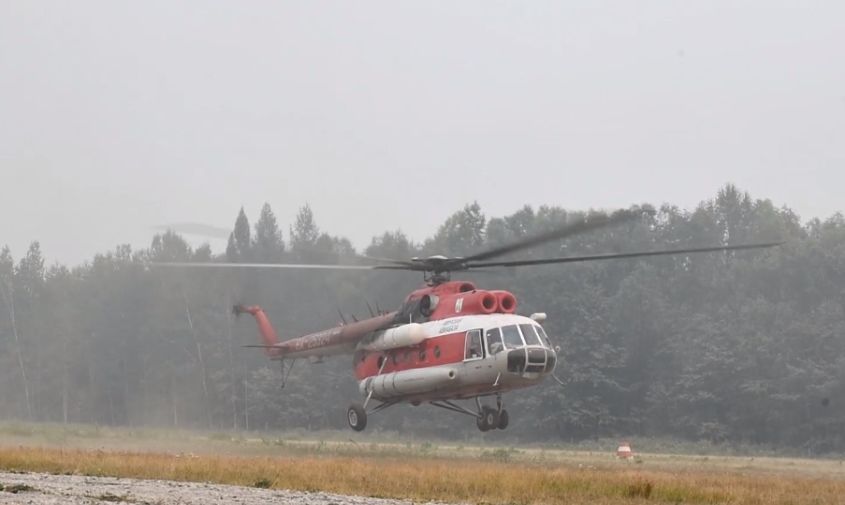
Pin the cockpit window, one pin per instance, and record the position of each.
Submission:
(511, 336)
(530, 335)
(494, 341)
(542, 333)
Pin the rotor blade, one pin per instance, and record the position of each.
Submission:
(386, 260)
(639, 254)
(570, 229)
(305, 266)
(414, 267)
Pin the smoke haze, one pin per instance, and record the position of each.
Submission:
(118, 116)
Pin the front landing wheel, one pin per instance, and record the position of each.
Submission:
(357, 417)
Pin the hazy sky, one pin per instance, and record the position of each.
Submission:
(119, 116)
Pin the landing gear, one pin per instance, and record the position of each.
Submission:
(356, 414)
(486, 417)
(488, 420)
(503, 419)
(357, 417)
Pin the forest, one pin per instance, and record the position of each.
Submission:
(739, 347)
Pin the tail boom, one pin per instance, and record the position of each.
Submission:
(338, 340)
(265, 328)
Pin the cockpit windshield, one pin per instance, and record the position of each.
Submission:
(530, 335)
(511, 337)
(516, 336)
(542, 333)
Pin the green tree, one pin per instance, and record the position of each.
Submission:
(238, 248)
(267, 243)
(391, 245)
(461, 234)
(7, 290)
(698, 346)
(304, 234)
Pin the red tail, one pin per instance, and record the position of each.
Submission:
(268, 334)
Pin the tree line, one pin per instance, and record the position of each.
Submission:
(746, 346)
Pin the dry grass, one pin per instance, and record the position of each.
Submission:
(421, 470)
(474, 480)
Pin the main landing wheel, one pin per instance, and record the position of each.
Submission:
(489, 419)
(503, 419)
(357, 417)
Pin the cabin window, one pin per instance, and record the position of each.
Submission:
(542, 333)
(422, 355)
(494, 341)
(529, 334)
(510, 334)
(473, 348)
(436, 351)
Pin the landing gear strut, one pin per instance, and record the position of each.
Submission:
(503, 414)
(356, 414)
(486, 417)
(503, 419)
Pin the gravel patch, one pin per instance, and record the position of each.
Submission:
(46, 489)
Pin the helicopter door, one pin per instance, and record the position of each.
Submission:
(474, 348)
(495, 346)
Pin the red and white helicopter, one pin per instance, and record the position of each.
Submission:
(449, 340)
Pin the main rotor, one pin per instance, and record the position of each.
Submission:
(437, 269)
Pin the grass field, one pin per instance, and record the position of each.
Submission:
(421, 471)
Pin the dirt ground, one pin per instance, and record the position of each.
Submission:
(45, 489)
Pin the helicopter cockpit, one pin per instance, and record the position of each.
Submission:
(529, 349)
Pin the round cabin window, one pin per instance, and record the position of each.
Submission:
(436, 351)
(422, 355)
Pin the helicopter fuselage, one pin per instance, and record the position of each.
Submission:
(457, 358)
(449, 341)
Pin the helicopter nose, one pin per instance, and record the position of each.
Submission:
(532, 360)
(551, 360)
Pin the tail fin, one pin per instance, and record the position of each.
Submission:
(268, 334)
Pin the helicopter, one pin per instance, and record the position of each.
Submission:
(449, 340)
